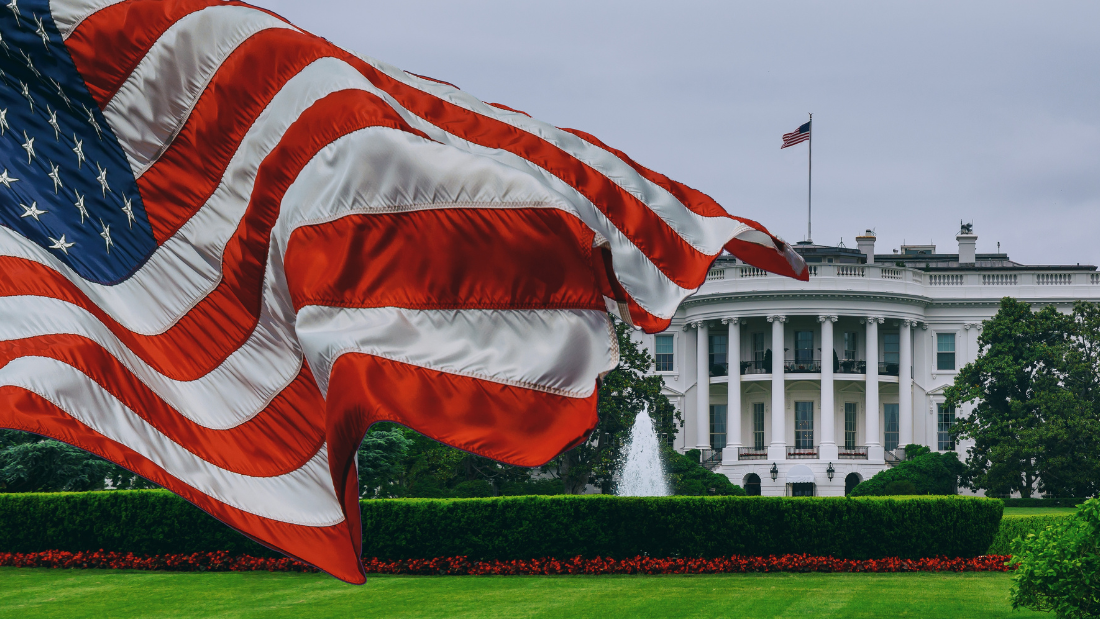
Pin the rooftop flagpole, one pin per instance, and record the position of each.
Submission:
(810, 185)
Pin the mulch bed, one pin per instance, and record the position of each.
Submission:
(461, 566)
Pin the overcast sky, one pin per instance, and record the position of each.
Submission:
(924, 113)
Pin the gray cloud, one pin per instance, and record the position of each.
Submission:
(925, 113)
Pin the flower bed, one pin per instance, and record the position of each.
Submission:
(461, 566)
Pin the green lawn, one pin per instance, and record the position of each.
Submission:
(108, 593)
(1038, 511)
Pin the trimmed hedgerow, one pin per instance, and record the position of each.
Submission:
(619, 527)
(527, 527)
(1013, 527)
(1051, 502)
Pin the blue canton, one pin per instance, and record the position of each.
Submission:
(66, 182)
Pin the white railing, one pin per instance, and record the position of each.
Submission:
(946, 279)
(998, 279)
(1094, 278)
(1053, 279)
(891, 274)
(714, 274)
(850, 270)
(813, 269)
(753, 272)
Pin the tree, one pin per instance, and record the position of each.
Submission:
(31, 463)
(625, 392)
(688, 477)
(1035, 422)
(922, 472)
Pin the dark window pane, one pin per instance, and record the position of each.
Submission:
(890, 412)
(803, 425)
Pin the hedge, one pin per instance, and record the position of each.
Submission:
(505, 528)
(1043, 502)
(1019, 526)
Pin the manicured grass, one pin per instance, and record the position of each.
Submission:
(98, 593)
(1038, 511)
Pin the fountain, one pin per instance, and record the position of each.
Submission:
(641, 472)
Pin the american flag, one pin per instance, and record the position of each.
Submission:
(229, 247)
(797, 136)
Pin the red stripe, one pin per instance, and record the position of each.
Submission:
(279, 439)
(128, 30)
(220, 323)
(192, 167)
(329, 548)
(445, 259)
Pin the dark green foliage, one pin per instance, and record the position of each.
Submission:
(1050, 502)
(590, 526)
(1013, 527)
(1059, 567)
(534, 487)
(157, 522)
(1036, 394)
(689, 478)
(929, 473)
(31, 463)
(381, 460)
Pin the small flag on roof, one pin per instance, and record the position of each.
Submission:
(797, 136)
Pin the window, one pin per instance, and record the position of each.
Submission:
(664, 353)
(758, 425)
(803, 425)
(718, 345)
(891, 348)
(850, 482)
(849, 425)
(850, 345)
(752, 484)
(890, 412)
(945, 418)
(806, 489)
(803, 346)
(758, 347)
(717, 426)
(945, 351)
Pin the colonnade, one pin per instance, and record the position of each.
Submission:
(827, 446)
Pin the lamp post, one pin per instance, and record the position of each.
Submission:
(775, 471)
(830, 471)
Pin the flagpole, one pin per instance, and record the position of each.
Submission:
(810, 185)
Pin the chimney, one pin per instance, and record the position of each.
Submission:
(967, 242)
(866, 244)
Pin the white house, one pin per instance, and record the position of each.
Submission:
(804, 388)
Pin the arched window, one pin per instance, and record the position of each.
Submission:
(752, 484)
(850, 482)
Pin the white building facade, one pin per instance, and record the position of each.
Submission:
(807, 388)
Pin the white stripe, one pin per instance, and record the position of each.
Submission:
(152, 105)
(556, 351)
(68, 14)
(304, 496)
(234, 392)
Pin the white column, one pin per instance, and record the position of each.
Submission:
(777, 449)
(702, 390)
(871, 408)
(827, 443)
(905, 384)
(733, 400)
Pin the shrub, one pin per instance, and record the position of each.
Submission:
(506, 528)
(1013, 527)
(928, 473)
(534, 487)
(1051, 502)
(1058, 569)
(689, 478)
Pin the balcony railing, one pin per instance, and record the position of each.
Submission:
(752, 453)
(710, 458)
(756, 367)
(852, 366)
(856, 452)
(802, 366)
(887, 369)
(801, 453)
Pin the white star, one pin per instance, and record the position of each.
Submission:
(94, 122)
(41, 31)
(28, 146)
(30, 65)
(61, 244)
(14, 6)
(32, 211)
(102, 178)
(4, 44)
(106, 234)
(79, 204)
(27, 93)
(128, 208)
(55, 176)
(4, 120)
(53, 122)
(61, 93)
(7, 180)
(79, 150)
